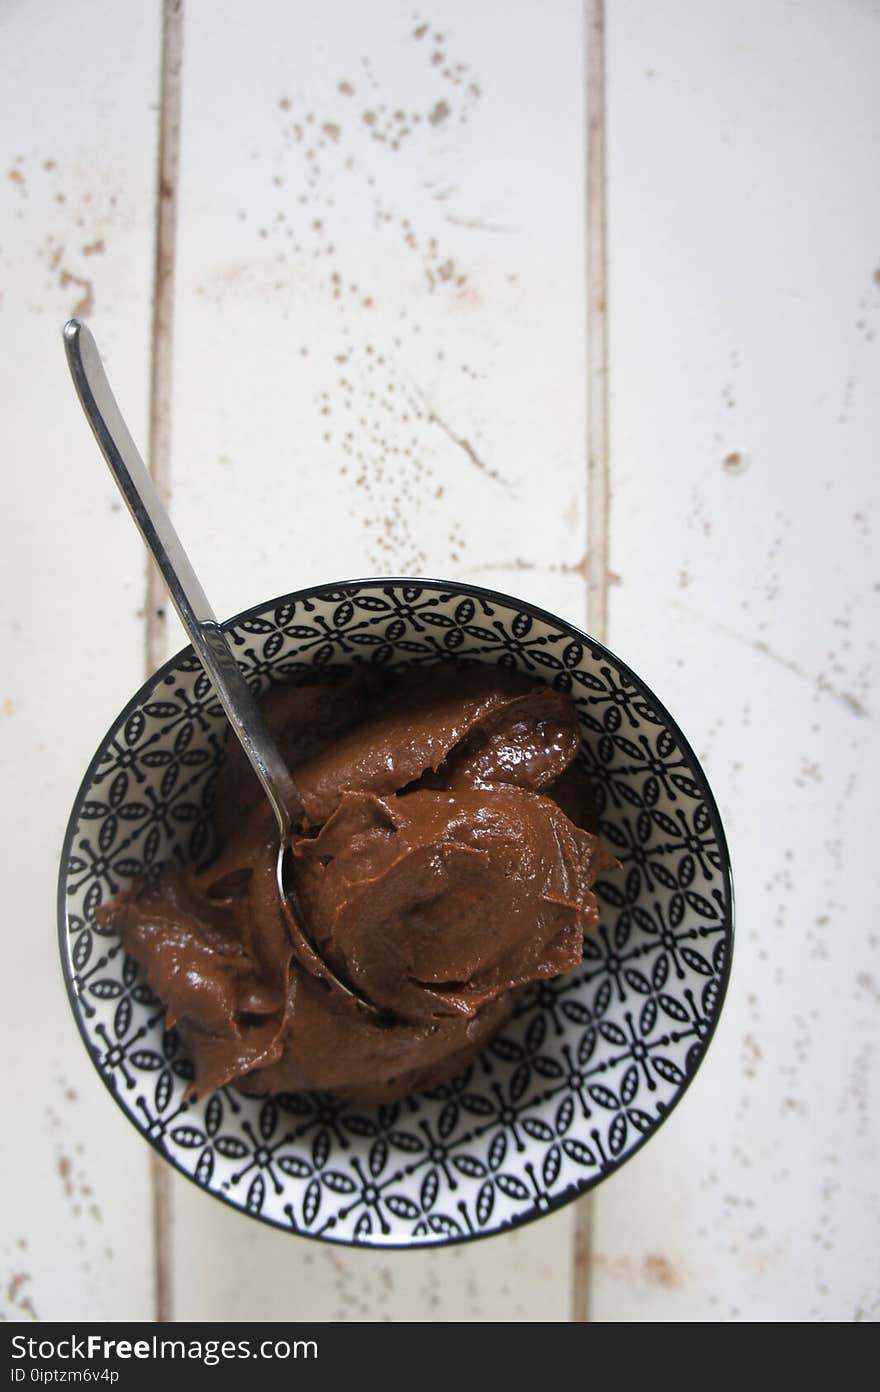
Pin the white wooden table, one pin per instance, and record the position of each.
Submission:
(381, 311)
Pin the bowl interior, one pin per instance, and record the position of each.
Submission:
(590, 1064)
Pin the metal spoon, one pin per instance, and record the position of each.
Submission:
(200, 622)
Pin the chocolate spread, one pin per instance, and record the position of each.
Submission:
(444, 861)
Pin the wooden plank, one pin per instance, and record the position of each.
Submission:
(430, 419)
(380, 368)
(744, 311)
(228, 1267)
(76, 206)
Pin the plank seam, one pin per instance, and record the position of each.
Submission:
(159, 464)
(598, 490)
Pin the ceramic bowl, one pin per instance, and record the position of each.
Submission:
(590, 1065)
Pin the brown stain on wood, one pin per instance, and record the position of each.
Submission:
(65, 1171)
(14, 1294)
(659, 1271)
(86, 303)
(654, 1269)
(734, 463)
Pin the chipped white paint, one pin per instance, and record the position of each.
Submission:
(77, 219)
(380, 365)
(745, 348)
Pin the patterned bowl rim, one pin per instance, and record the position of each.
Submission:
(473, 591)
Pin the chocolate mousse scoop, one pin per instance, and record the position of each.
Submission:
(445, 859)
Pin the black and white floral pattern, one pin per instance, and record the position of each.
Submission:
(591, 1063)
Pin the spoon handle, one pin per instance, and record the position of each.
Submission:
(188, 597)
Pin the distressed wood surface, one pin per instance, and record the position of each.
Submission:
(380, 310)
(381, 264)
(744, 284)
(379, 369)
(76, 210)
